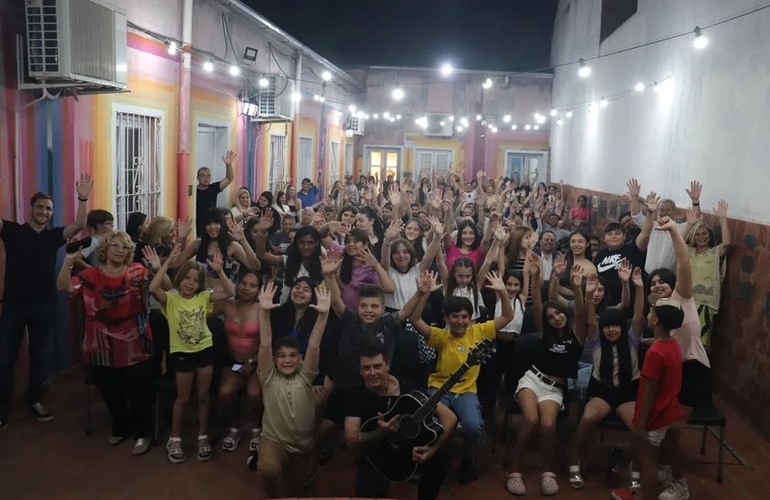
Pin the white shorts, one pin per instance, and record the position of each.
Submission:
(543, 391)
(656, 437)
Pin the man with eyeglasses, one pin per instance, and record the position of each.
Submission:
(207, 191)
(101, 223)
(29, 294)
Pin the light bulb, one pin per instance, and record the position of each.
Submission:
(459, 128)
(487, 83)
(172, 47)
(514, 126)
(264, 82)
(386, 115)
(507, 119)
(446, 69)
(397, 94)
(568, 114)
(352, 108)
(585, 70)
(539, 118)
(398, 117)
(326, 76)
(700, 41)
(316, 97)
(554, 112)
(494, 130)
(639, 87)
(234, 70)
(527, 126)
(478, 118)
(376, 115)
(208, 66)
(560, 122)
(296, 96)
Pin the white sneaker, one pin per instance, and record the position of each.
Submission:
(677, 490)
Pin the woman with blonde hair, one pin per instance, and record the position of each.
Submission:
(244, 207)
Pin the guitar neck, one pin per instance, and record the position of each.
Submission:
(430, 405)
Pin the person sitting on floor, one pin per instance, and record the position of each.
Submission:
(375, 397)
(287, 387)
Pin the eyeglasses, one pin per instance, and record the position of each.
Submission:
(118, 246)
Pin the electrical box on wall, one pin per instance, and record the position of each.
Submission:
(595, 201)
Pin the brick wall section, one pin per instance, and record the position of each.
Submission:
(741, 345)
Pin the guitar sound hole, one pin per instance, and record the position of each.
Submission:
(408, 427)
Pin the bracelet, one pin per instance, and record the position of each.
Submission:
(696, 203)
(82, 199)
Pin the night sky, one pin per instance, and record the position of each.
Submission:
(504, 35)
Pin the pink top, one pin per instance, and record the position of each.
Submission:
(583, 213)
(688, 335)
(242, 337)
(453, 253)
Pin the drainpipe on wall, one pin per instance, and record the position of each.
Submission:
(184, 191)
(322, 151)
(294, 147)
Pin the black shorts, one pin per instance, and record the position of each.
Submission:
(190, 361)
(336, 407)
(613, 396)
(696, 384)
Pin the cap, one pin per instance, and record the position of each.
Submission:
(669, 311)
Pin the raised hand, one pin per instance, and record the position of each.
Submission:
(652, 202)
(183, 228)
(624, 270)
(495, 282)
(576, 275)
(83, 186)
(666, 224)
(535, 264)
(395, 196)
(228, 157)
(216, 262)
(394, 230)
(501, 233)
(634, 188)
(721, 210)
(151, 256)
(592, 283)
(235, 230)
(692, 216)
(435, 202)
(329, 263)
(266, 297)
(368, 257)
(436, 224)
(319, 217)
(559, 264)
(428, 282)
(323, 299)
(175, 253)
(694, 191)
(636, 278)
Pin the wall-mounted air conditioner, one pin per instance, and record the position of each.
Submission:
(438, 125)
(75, 43)
(274, 102)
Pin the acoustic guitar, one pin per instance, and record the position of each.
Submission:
(392, 457)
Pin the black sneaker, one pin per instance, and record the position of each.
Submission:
(42, 415)
(3, 423)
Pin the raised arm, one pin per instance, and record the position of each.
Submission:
(535, 283)
(727, 238)
(260, 242)
(64, 278)
(638, 319)
(634, 189)
(229, 173)
(386, 282)
(265, 356)
(506, 308)
(576, 280)
(624, 273)
(228, 289)
(322, 305)
(425, 285)
(592, 284)
(156, 288)
(435, 244)
(83, 187)
(391, 234)
(241, 249)
(643, 238)
(694, 193)
(683, 271)
(329, 265)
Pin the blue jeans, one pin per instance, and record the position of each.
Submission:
(468, 410)
(38, 320)
(579, 386)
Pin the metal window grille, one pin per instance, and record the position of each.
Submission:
(277, 158)
(137, 183)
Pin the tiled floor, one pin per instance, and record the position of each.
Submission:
(41, 461)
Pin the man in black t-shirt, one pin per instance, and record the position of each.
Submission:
(608, 259)
(207, 191)
(29, 294)
(379, 392)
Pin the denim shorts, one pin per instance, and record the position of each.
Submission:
(543, 391)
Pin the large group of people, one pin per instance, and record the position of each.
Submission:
(320, 311)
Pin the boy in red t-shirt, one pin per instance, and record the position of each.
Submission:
(657, 406)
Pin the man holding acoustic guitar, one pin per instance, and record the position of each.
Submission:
(390, 453)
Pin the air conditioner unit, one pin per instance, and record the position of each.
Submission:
(274, 102)
(438, 125)
(75, 43)
(356, 124)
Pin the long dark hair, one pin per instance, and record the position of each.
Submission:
(551, 333)
(294, 258)
(214, 215)
(451, 284)
(613, 316)
(477, 234)
(135, 221)
(372, 216)
(346, 267)
(282, 319)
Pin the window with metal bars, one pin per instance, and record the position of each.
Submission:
(277, 159)
(138, 176)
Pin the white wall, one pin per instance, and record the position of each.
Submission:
(711, 120)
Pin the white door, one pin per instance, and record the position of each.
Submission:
(305, 167)
(210, 146)
(349, 158)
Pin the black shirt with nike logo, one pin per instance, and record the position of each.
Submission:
(607, 262)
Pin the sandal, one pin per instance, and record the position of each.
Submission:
(575, 477)
(514, 484)
(230, 443)
(205, 451)
(141, 446)
(548, 484)
(175, 451)
(256, 432)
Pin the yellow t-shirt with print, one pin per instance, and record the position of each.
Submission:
(453, 352)
(187, 327)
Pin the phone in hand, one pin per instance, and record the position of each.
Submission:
(78, 245)
(237, 367)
